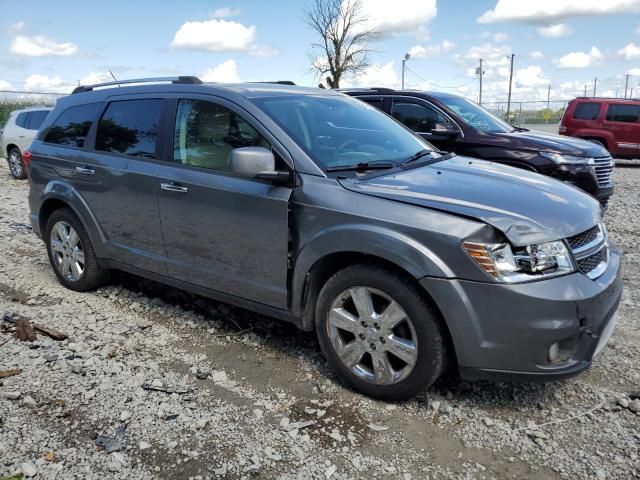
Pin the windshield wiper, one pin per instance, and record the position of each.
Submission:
(360, 167)
(425, 152)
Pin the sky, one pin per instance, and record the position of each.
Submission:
(51, 46)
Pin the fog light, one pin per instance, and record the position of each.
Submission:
(553, 354)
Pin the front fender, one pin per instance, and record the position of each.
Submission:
(395, 247)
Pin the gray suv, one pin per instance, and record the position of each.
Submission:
(316, 208)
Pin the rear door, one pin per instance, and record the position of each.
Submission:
(221, 231)
(622, 120)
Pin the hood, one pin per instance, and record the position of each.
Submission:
(541, 141)
(527, 207)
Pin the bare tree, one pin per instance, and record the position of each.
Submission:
(344, 33)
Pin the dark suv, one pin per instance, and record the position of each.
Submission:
(316, 208)
(455, 124)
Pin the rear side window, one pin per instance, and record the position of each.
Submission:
(586, 111)
(623, 113)
(130, 127)
(72, 126)
(21, 120)
(36, 118)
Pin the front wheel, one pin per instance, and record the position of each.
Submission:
(16, 165)
(379, 333)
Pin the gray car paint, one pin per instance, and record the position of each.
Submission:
(228, 238)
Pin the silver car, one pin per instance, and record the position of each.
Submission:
(16, 136)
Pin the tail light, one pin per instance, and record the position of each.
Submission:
(26, 159)
(562, 129)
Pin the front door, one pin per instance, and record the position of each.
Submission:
(426, 121)
(221, 231)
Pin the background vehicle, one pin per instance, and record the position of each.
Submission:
(316, 208)
(16, 136)
(453, 123)
(614, 123)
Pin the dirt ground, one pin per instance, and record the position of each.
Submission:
(157, 383)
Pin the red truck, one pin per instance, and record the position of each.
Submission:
(612, 122)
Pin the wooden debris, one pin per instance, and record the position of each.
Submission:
(24, 330)
(49, 332)
(10, 373)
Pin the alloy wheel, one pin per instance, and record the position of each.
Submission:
(15, 164)
(67, 251)
(372, 335)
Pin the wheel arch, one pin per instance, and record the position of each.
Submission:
(11, 146)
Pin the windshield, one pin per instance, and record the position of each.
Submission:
(476, 116)
(339, 130)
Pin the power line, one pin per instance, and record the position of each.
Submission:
(435, 84)
(32, 93)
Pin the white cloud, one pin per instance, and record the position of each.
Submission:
(16, 28)
(40, 46)
(530, 76)
(634, 72)
(376, 76)
(536, 55)
(546, 12)
(42, 83)
(555, 31)
(225, 12)
(226, 72)
(220, 36)
(4, 85)
(419, 51)
(631, 51)
(500, 37)
(95, 77)
(405, 16)
(579, 59)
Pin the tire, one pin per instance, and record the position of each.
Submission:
(16, 165)
(416, 323)
(74, 262)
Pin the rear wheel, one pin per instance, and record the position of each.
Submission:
(71, 254)
(16, 166)
(379, 333)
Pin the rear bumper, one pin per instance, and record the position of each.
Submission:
(505, 331)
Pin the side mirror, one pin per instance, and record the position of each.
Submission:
(446, 130)
(254, 162)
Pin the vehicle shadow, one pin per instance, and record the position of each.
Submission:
(288, 340)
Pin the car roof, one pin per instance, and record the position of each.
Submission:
(391, 91)
(630, 101)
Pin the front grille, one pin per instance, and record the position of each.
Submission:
(604, 171)
(588, 264)
(582, 239)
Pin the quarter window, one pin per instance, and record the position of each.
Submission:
(130, 127)
(586, 111)
(623, 113)
(205, 133)
(72, 126)
(36, 118)
(419, 118)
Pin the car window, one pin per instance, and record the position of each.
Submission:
(475, 116)
(377, 102)
(340, 130)
(72, 126)
(419, 118)
(623, 113)
(586, 111)
(206, 132)
(130, 127)
(36, 118)
(21, 120)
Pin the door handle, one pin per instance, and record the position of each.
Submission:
(172, 187)
(85, 170)
(21, 136)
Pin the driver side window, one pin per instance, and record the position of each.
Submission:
(419, 118)
(205, 133)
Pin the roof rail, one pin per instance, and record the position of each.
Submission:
(382, 89)
(277, 82)
(188, 80)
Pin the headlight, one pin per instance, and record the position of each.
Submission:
(522, 264)
(565, 159)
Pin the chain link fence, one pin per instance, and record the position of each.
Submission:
(535, 114)
(15, 100)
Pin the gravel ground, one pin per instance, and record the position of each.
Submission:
(246, 396)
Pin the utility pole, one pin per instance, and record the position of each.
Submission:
(404, 60)
(510, 82)
(585, 91)
(595, 82)
(480, 73)
(626, 85)
(548, 95)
